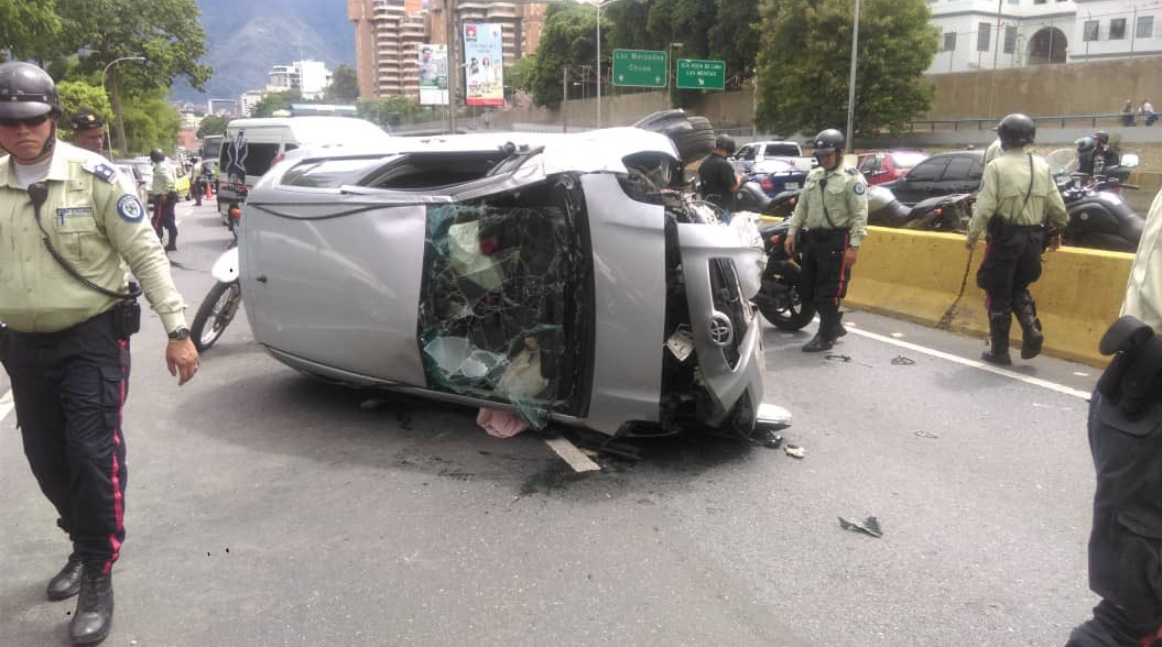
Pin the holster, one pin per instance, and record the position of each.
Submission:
(127, 315)
(1132, 379)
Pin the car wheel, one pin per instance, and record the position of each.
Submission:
(661, 120)
(694, 145)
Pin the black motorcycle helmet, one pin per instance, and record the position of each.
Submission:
(156, 155)
(1102, 136)
(726, 143)
(1016, 130)
(86, 120)
(27, 92)
(1085, 144)
(827, 142)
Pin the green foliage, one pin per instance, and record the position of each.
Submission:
(151, 122)
(28, 27)
(569, 38)
(344, 85)
(804, 64)
(77, 96)
(734, 38)
(275, 101)
(519, 75)
(390, 111)
(166, 32)
(212, 125)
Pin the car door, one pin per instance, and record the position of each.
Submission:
(920, 183)
(957, 177)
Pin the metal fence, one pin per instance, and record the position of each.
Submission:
(987, 123)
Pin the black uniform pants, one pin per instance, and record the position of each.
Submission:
(1125, 546)
(166, 218)
(1012, 262)
(824, 278)
(69, 388)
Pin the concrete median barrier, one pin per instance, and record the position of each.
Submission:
(930, 278)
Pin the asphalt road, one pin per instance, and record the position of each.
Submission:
(266, 509)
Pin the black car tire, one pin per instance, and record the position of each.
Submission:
(694, 145)
(799, 314)
(661, 120)
(221, 298)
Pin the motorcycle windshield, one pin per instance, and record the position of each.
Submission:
(1062, 161)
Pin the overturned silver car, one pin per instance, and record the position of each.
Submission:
(556, 276)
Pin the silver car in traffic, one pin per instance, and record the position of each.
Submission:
(560, 277)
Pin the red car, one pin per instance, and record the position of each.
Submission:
(879, 167)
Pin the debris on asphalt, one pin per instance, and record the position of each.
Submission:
(795, 451)
(500, 424)
(897, 335)
(926, 434)
(846, 359)
(871, 526)
(900, 360)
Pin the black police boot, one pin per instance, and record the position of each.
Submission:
(824, 338)
(998, 351)
(94, 615)
(839, 330)
(66, 583)
(1031, 336)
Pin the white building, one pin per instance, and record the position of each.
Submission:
(311, 78)
(1037, 32)
(250, 99)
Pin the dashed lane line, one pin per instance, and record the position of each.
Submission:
(988, 368)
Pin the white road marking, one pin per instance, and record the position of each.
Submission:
(989, 368)
(571, 455)
(5, 405)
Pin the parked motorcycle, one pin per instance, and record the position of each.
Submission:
(220, 305)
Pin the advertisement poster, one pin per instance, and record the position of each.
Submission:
(484, 64)
(433, 62)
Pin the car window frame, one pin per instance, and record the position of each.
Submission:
(931, 161)
(953, 159)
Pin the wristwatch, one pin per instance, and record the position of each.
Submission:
(181, 334)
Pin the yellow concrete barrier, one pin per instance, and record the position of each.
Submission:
(921, 276)
(916, 275)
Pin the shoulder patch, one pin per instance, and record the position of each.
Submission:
(101, 170)
(859, 189)
(130, 209)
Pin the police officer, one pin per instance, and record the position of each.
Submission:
(89, 131)
(993, 151)
(1104, 157)
(1125, 438)
(66, 223)
(717, 176)
(832, 214)
(198, 180)
(1016, 195)
(165, 197)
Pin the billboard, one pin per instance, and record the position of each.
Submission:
(484, 64)
(433, 62)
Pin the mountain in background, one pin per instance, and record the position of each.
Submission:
(246, 37)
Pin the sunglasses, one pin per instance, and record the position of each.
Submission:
(30, 122)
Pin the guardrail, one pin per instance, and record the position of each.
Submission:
(1067, 121)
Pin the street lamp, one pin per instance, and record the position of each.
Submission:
(601, 4)
(117, 115)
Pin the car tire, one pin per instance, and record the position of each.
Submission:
(662, 120)
(694, 145)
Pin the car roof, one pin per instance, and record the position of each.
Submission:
(977, 154)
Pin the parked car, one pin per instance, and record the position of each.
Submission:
(129, 170)
(881, 167)
(144, 168)
(778, 176)
(550, 275)
(181, 180)
(267, 140)
(940, 175)
(752, 157)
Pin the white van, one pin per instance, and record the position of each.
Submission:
(268, 139)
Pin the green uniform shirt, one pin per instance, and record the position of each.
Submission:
(1003, 189)
(845, 199)
(1144, 289)
(94, 223)
(993, 151)
(163, 179)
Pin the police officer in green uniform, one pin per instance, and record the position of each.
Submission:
(66, 224)
(993, 151)
(1017, 196)
(1125, 438)
(165, 198)
(89, 131)
(832, 215)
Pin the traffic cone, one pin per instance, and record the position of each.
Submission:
(207, 189)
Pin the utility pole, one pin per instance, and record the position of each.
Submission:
(565, 97)
(453, 61)
(851, 85)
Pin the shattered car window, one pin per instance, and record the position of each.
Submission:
(330, 173)
(503, 303)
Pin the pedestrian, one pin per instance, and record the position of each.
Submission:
(1128, 113)
(718, 181)
(1104, 157)
(1125, 438)
(198, 183)
(165, 198)
(89, 131)
(1017, 193)
(832, 215)
(1146, 112)
(69, 319)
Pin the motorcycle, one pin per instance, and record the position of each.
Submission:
(1099, 216)
(220, 305)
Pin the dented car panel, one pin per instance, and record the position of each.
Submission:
(529, 273)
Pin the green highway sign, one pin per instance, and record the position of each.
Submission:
(701, 75)
(639, 68)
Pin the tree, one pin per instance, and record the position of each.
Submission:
(344, 85)
(28, 27)
(734, 38)
(389, 111)
(212, 125)
(78, 95)
(275, 101)
(569, 38)
(519, 75)
(151, 122)
(805, 59)
(167, 33)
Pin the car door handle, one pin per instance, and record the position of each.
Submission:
(261, 278)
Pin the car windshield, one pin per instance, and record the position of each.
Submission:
(908, 160)
(782, 150)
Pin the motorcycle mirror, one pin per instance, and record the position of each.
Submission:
(1129, 160)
